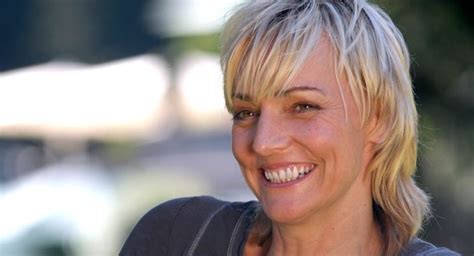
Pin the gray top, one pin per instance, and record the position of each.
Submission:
(207, 226)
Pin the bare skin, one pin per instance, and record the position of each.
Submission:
(315, 125)
(354, 234)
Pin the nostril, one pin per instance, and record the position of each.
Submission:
(269, 144)
(262, 144)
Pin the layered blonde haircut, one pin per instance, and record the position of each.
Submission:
(264, 43)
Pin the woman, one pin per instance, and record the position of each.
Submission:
(325, 133)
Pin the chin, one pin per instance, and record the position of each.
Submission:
(284, 212)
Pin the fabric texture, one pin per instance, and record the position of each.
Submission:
(208, 226)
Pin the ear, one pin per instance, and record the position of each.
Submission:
(375, 134)
(376, 130)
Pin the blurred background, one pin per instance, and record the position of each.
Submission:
(108, 107)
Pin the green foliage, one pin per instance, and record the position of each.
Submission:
(440, 38)
(441, 42)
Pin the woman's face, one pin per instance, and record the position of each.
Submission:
(304, 153)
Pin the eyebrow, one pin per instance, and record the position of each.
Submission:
(302, 88)
(246, 97)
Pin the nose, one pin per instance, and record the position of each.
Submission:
(270, 134)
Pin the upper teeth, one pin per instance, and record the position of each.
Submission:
(287, 174)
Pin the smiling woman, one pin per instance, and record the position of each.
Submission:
(313, 130)
(325, 133)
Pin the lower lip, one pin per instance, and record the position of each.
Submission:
(286, 184)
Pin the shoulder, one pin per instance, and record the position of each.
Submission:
(176, 222)
(418, 247)
(196, 208)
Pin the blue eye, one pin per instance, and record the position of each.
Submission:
(244, 115)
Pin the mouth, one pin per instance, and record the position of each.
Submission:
(287, 174)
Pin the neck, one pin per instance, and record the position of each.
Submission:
(353, 232)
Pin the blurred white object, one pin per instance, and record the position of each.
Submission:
(70, 201)
(116, 99)
(82, 207)
(200, 88)
(186, 17)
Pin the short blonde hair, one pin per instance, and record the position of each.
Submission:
(264, 43)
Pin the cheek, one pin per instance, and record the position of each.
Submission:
(317, 135)
(329, 141)
(241, 148)
(240, 144)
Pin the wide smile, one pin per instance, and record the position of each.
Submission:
(287, 174)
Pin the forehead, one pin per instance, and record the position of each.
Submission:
(317, 70)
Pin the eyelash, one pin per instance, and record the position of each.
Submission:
(238, 115)
(305, 107)
(298, 108)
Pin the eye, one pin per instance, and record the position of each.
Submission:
(303, 107)
(244, 115)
